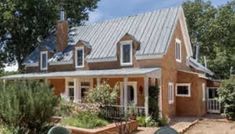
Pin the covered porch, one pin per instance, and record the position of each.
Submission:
(132, 82)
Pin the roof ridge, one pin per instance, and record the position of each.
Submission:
(125, 17)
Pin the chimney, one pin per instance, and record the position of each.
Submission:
(205, 61)
(62, 29)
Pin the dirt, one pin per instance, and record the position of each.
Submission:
(212, 126)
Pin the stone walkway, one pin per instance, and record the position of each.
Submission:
(178, 123)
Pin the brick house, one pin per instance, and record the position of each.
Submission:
(134, 52)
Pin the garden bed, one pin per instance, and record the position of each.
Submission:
(110, 128)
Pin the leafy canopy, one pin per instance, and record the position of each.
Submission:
(214, 29)
(24, 22)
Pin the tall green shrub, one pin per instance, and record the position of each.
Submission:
(227, 97)
(26, 106)
(153, 102)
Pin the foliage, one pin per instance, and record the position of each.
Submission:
(227, 97)
(132, 110)
(144, 121)
(163, 121)
(24, 22)
(26, 106)
(102, 95)
(5, 130)
(214, 29)
(65, 108)
(85, 120)
(153, 102)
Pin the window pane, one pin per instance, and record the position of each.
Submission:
(182, 90)
(44, 60)
(71, 93)
(130, 93)
(177, 51)
(79, 57)
(71, 83)
(126, 57)
(85, 83)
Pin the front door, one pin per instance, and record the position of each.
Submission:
(131, 93)
(213, 106)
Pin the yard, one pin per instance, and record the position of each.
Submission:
(212, 126)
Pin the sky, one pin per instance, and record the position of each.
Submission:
(109, 9)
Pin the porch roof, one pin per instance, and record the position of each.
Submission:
(123, 72)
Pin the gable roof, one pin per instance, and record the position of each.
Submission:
(152, 29)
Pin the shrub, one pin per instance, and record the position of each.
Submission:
(146, 121)
(103, 95)
(85, 120)
(26, 106)
(153, 102)
(227, 97)
(65, 108)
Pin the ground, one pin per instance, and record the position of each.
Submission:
(206, 125)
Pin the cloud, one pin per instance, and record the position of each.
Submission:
(95, 16)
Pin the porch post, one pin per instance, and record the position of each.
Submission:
(98, 81)
(160, 97)
(66, 93)
(76, 91)
(79, 90)
(125, 93)
(146, 96)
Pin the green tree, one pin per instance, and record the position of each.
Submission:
(214, 28)
(23, 22)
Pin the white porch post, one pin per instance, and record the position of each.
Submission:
(75, 90)
(98, 81)
(66, 93)
(79, 90)
(160, 97)
(146, 96)
(125, 93)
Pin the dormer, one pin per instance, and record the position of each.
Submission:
(126, 49)
(81, 50)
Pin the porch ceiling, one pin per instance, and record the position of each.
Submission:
(124, 72)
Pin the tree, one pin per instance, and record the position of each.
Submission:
(214, 28)
(23, 22)
(227, 97)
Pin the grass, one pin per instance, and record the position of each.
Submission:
(85, 120)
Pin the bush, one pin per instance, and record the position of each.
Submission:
(102, 95)
(153, 102)
(146, 121)
(26, 106)
(85, 120)
(227, 97)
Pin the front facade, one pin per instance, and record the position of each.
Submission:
(135, 52)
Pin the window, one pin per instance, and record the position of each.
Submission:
(203, 91)
(126, 53)
(43, 60)
(85, 86)
(79, 57)
(178, 50)
(183, 89)
(170, 93)
(71, 90)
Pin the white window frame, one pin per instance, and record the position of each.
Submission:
(76, 56)
(171, 93)
(133, 84)
(203, 92)
(122, 43)
(178, 41)
(41, 55)
(183, 84)
(68, 87)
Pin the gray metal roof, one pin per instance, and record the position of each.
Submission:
(89, 73)
(198, 66)
(152, 29)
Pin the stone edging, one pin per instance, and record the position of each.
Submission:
(189, 126)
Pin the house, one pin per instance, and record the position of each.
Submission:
(134, 52)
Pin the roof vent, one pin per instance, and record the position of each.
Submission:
(62, 14)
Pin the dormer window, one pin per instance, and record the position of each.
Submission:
(126, 53)
(43, 60)
(79, 57)
(178, 50)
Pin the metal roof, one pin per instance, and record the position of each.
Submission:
(198, 66)
(152, 29)
(89, 73)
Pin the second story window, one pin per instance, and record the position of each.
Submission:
(178, 50)
(79, 57)
(126, 53)
(43, 60)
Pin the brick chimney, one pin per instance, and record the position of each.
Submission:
(62, 29)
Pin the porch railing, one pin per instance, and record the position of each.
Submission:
(118, 111)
